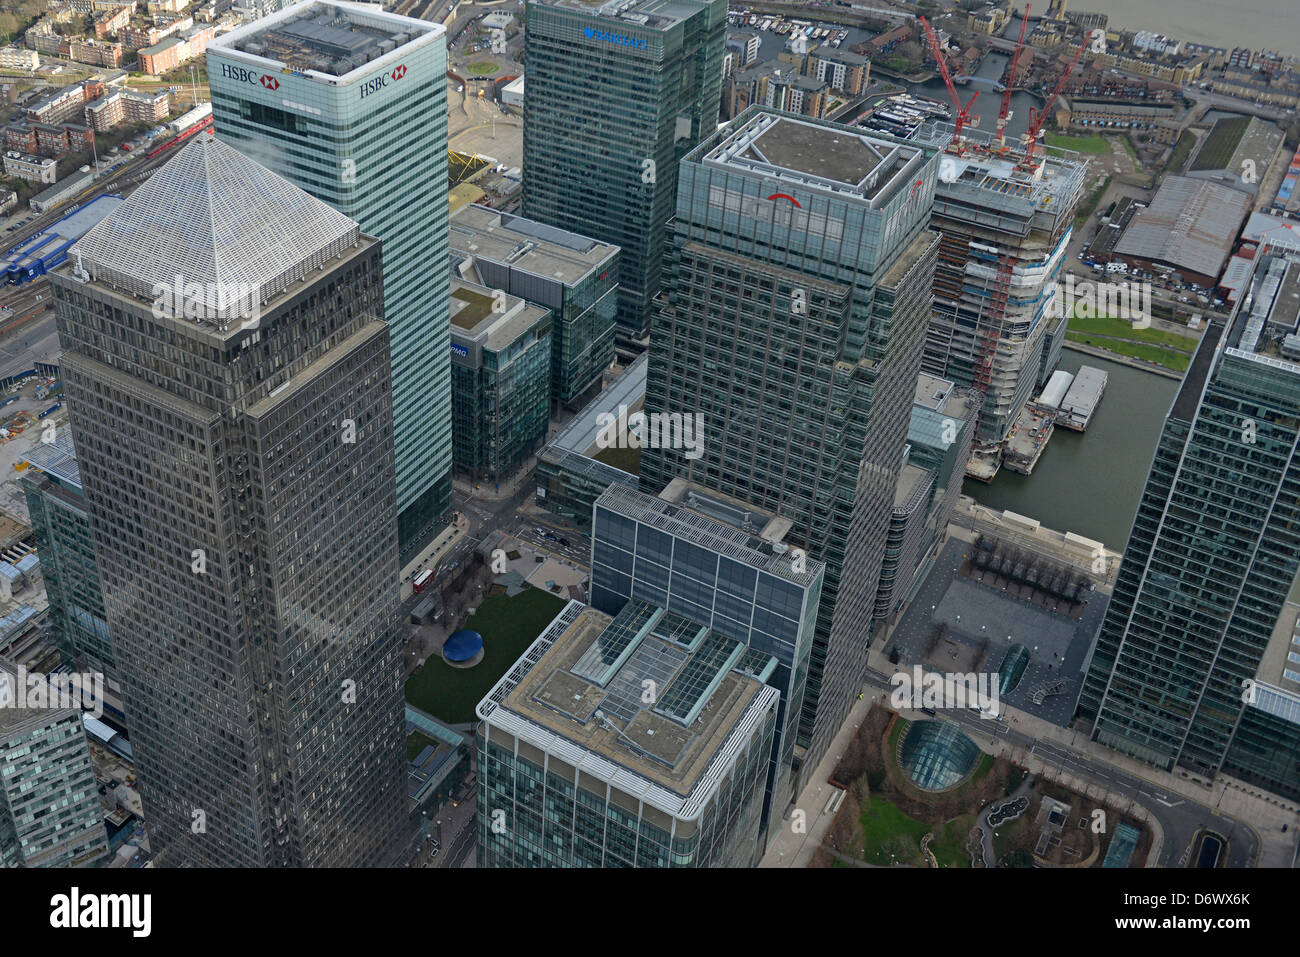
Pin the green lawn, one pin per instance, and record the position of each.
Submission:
(949, 841)
(1186, 140)
(416, 742)
(626, 459)
(482, 68)
(1087, 207)
(1123, 329)
(1177, 361)
(508, 626)
(1094, 145)
(886, 830)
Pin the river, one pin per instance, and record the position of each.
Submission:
(1090, 483)
(1257, 24)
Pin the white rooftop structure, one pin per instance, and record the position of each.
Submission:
(228, 230)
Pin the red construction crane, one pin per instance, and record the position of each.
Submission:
(1037, 118)
(1000, 138)
(961, 113)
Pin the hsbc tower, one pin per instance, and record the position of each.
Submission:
(350, 104)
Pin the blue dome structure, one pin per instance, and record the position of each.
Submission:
(463, 646)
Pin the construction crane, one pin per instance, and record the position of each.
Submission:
(1000, 137)
(961, 113)
(1036, 118)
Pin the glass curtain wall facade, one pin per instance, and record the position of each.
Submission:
(49, 806)
(613, 103)
(796, 331)
(61, 528)
(371, 141)
(649, 549)
(501, 385)
(614, 777)
(1215, 545)
(238, 475)
(573, 276)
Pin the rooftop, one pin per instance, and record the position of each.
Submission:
(474, 318)
(995, 173)
(655, 14)
(1190, 223)
(525, 244)
(587, 688)
(931, 391)
(229, 228)
(818, 156)
(57, 458)
(327, 40)
(718, 522)
(627, 391)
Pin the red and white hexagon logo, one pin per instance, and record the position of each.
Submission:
(399, 72)
(270, 82)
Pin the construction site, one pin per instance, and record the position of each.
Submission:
(1006, 213)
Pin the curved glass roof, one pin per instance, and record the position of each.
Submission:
(936, 755)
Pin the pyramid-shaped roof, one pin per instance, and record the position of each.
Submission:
(218, 228)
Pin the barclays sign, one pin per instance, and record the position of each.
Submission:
(617, 38)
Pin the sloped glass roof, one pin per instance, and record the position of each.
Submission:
(219, 230)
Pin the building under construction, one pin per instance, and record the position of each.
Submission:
(1005, 231)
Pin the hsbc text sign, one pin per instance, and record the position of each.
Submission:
(373, 85)
(377, 83)
(242, 75)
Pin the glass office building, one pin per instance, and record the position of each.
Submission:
(1215, 546)
(234, 437)
(641, 740)
(349, 103)
(573, 276)
(49, 805)
(724, 564)
(939, 435)
(616, 95)
(501, 380)
(794, 323)
(61, 529)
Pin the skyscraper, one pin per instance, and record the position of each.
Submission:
(350, 104)
(61, 528)
(226, 365)
(1005, 237)
(725, 564)
(575, 277)
(581, 764)
(795, 313)
(1215, 546)
(49, 809)
(616, 95)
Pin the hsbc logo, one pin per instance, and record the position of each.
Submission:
(241, 75)
(377, 83)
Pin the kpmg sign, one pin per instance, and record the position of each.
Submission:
(622, 40)
(460, 351)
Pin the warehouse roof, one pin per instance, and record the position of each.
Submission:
(1190, 224)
